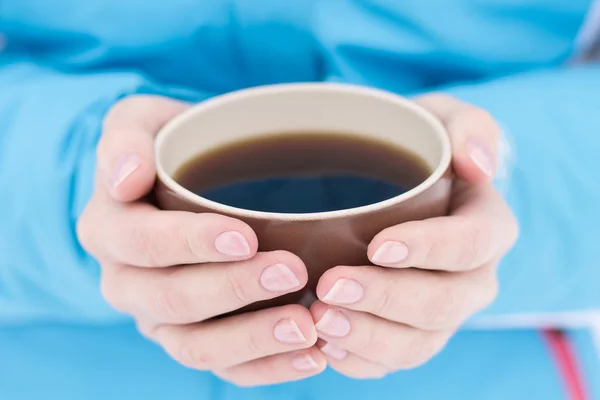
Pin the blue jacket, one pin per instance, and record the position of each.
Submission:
(65, 62)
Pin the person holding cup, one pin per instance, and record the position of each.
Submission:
(184, 275)
(181, 269)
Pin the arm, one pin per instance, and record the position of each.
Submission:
(49, 127)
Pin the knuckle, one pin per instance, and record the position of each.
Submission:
(171, 303)
(473, 242)
(190, 245)
(237, 288)
(140, 242)
(421, 241)
(193, 356)
(443, 308)
(386, 301)
(254, 345)
(147, 247)
(366, 342)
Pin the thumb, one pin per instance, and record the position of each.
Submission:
(474, 135)
(126, 149)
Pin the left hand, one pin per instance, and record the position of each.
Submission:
(436, 273)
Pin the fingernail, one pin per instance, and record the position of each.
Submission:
(278, 278)
(481, 157)
(344, 291)
(304, 362)
(232, 244)
(125, 166)
(390, 253)
(287, 331)
(334, 324)
(334, 352)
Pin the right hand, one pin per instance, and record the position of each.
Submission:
(174, 271)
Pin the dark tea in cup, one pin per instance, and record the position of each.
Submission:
(303, 172)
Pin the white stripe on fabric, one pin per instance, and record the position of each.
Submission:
(569, 320)
(506, 160)
(587, 42)
(596, 333)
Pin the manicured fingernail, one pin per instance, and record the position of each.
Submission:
(232, 244)
(278, 278)
(125, 166)
(390, 253)
(287, 331)
(334, 352)
(304, 362)
(481, 157)
(334, 324)
(344, 291)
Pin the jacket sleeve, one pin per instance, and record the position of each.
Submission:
(552, 119)
(49, 126)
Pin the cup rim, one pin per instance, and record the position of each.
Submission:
(220, 100)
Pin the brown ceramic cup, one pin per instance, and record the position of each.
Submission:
(326, 239)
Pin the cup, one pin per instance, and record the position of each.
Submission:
(326, 239)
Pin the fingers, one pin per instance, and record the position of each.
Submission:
(223, 343)
(474, 135)
(422, 299)
(480, 229)
(349, 364)
(125, 152)
(140, 235)
(392, 345)
(195, 293)
(275, 369)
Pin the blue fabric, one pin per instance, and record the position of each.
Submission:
(553, 119)
(114, 362)
(68, 61)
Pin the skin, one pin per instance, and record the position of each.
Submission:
(174, 271)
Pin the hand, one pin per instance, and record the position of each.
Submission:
(174, 271)
(436, 273)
